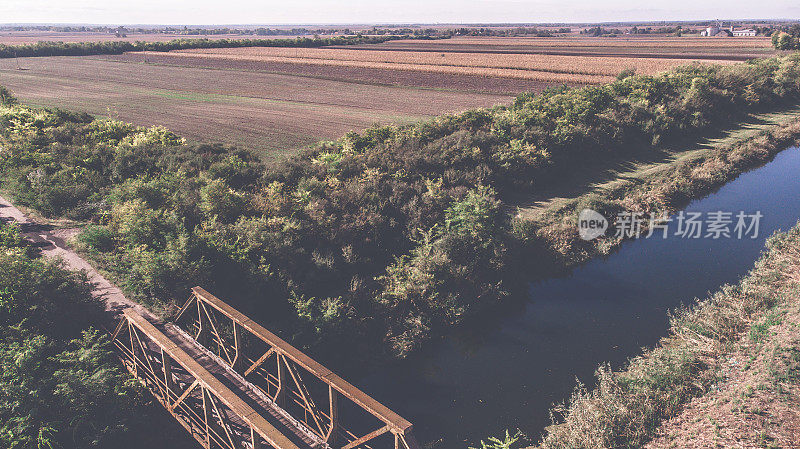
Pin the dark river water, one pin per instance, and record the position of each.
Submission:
(507, 374)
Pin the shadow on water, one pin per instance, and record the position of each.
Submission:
(477, 382)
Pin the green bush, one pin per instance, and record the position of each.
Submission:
(785, 41)
(406, 214)
(60, 384)
(97, 237)
(6, 98)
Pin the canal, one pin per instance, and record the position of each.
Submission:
(506, 375)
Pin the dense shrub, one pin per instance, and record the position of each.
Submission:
(6, 98)
(60, 384)
(787, 41)
(97, 237)
(389, 233)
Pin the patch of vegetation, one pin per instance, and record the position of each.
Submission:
(60, 384)
(760, 331)
(506, 442)
(387, 235)
(661, 192)
(787, 39)
(627, 407)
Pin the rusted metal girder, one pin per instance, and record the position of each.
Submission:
(213, 414)
(277, 369)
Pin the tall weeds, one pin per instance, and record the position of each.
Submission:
(627, 407)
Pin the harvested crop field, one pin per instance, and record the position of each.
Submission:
(546, 68)
(351, 74)
(277, 100)
(272, 113)
(730, 48)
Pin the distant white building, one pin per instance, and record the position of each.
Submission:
(718, 31)
(743, 33)
(711, 31)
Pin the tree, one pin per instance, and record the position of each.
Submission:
(6, 98)
(784, 41)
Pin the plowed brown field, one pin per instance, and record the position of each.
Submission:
(273, 113)
(730, 48)
(547, 68)
(277, 100)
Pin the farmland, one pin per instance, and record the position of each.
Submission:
(277, 100)
(546, 68)
(638, 46)
(268, 112)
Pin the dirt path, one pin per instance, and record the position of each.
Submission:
(52, 243)
(601, 178)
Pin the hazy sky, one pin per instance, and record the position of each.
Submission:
(383, 11)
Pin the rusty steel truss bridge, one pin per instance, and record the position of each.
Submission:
(232, 384)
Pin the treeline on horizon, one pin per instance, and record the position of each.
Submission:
(388, 235)
(125, 31)
(54, 48)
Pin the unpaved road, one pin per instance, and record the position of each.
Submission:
(52, 243)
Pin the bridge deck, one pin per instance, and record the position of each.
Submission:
(240, 387)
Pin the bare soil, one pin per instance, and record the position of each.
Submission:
(273, 113)
(363, 75)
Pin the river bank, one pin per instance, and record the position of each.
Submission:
(651, 190)
(722, 347)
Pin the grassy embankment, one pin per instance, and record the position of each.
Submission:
(649, 187)
(728, 373)
(389, 235)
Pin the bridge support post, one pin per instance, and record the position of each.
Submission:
(133, 352)
(205, 417)
(237, 347)
(255, 439)
(169, 384)
(280, 397)
(334, 410)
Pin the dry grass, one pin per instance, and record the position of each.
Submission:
(628, 46)
(627, 408)
(756, 403)
(584, 69)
